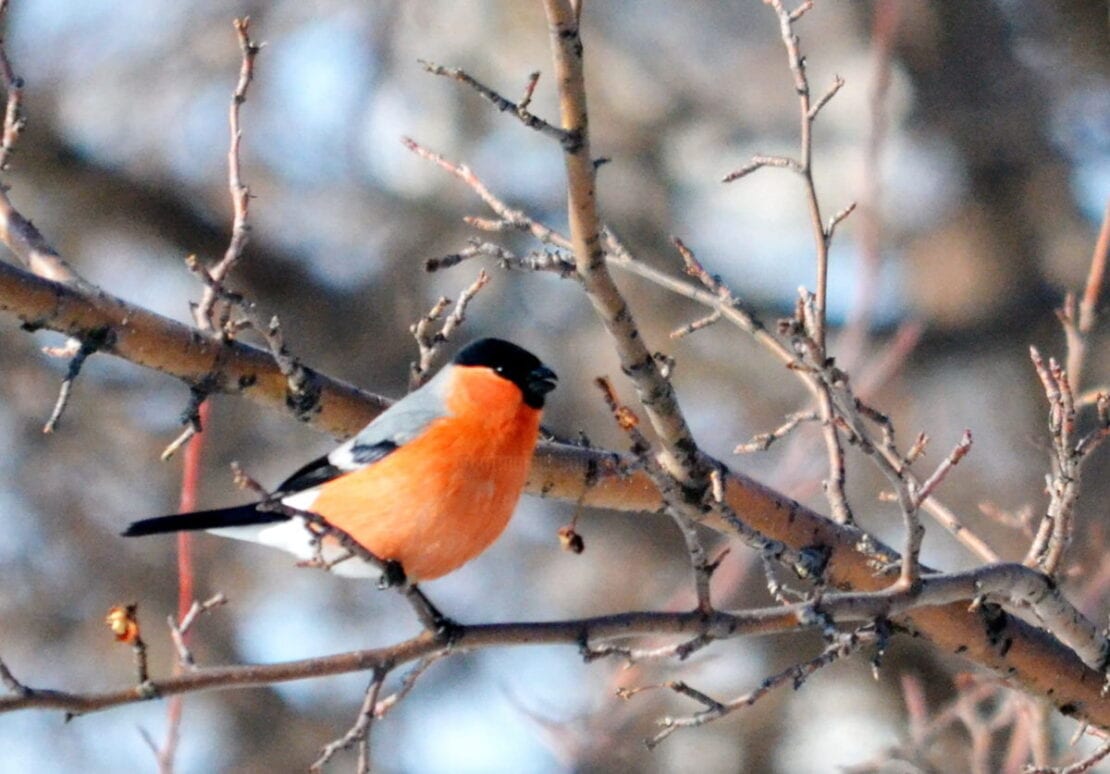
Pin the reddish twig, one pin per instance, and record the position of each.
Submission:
(1096, 277)
(190, 486)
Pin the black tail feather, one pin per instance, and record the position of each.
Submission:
(237, 516)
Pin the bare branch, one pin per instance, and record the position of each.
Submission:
(1056, 528)
(179, 630)
(360, 731)
(679, 450)
(836, 219)
(537, 260)
(10, 682)
(14, 120)
(844, 645)
(529, 90)
(430, 343)
(19, 234)
(504, 105)
(1013, 583)
(838, 84)
(240, 193)
(408, 682)
(953, 459)
(85, 347)
(677, 506)
(509, 216)
(759, 162)
(1080, 767)
(763, 441)
(697, 325)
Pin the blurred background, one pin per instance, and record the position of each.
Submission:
(975, 137)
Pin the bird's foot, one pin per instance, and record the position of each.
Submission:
(446, 630)
(393, 575)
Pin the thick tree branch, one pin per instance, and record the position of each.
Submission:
(154, 341)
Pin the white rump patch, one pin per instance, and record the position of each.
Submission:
(294, 537)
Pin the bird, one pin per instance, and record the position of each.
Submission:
(427, 486)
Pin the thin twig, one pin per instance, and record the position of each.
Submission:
(537, 260)
(240, 193)
(815, 323)
(676, 506)
(842, 646)
(17, 232)
(178, 630)
(953, 459)
(429, 342)
(529, 90)
(360, 731)
(14, 120)
(87, 346)
(838, 84)
(191, 418)
(1055, 531)
(697, 325)
(515, 218)
(527, 118)
(1079, 767)
(10, 682)
(763, 441)
(759, 162)
(408, 682)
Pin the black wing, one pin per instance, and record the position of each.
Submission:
(322, 470)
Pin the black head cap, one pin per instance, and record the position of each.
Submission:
(514, 363)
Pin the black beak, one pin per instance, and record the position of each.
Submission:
(542, 380)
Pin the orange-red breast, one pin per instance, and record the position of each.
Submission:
(430, 483)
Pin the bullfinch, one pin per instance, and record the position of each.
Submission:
(429, 484)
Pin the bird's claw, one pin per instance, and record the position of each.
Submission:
(393, 575)
(447, 630)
